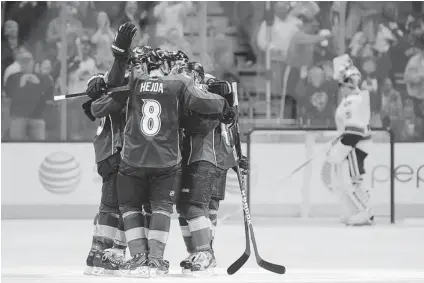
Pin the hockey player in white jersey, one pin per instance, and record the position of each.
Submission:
(346, 157)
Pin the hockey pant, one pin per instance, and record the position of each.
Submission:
(108, 225)
(193, 206)
(146, 197)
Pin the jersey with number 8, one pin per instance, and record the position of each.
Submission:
(152, 132)
(353, 114)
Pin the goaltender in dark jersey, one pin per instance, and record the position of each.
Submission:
(153, 121)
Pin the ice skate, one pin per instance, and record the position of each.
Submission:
(89, 261)
(105, 264)
(158, 267)
(116, 254)
(135, 267)
(363, 218)
(203, 263)
(185, 264)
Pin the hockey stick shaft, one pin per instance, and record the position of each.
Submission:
(309, 160)
(81, 94)
(111, 90)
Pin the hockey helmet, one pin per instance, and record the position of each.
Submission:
(158, 59)
(196, 71)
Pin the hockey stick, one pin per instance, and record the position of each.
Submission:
(111, 90)
(247, 218)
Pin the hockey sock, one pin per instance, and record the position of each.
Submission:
(213, 217)
(200, 232)
(160, 224)
(105, 228)
(120, 242)
(135, 233)
(185, 231)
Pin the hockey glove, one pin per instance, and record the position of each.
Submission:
(229, 116)
(244, 165)
(96, 86)
(86, 106)
(123, 38)
(222, 88)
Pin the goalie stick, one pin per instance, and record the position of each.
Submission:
(110, 90)
(248, 226)
(329, 145)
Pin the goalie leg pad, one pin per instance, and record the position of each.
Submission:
(338, 153)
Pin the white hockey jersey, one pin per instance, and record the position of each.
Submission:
(353, 114)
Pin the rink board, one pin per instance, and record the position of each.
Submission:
(60, 180)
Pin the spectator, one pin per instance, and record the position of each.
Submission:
(364, 15)
(133, 15)
(391, 106)
(9, 45)
(316, 102)
(28, 93)
(299, 60)
(81, 68)
(103, 39)
(74, 28)
(370, 83)
(51, 112)
(414, 73)
(171, 14)
(15, 67)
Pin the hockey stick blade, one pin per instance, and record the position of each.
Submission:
(244, 257)
(279, 269)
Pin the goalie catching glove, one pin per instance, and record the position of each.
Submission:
(123, 38)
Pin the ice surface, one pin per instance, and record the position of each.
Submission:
(55, 251)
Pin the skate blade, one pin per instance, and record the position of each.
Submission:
(98, 271)
(88, 270)
(155, 273)
(186, 271)
(139, 272)
(203, 273)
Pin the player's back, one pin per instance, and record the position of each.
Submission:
(353, 114)
(152, 131)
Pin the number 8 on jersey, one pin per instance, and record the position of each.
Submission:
(150, 121)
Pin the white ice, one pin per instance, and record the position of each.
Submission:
(55, 251)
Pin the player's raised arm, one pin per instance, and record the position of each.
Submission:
(121, 51)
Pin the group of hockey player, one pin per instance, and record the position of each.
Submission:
(165, 141)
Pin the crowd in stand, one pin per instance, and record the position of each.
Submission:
(384, 38)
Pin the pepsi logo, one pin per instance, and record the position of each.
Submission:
(60, 173)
